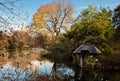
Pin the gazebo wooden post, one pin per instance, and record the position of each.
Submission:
(81, 60)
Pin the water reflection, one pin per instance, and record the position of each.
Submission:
(17, 65)
(86, 74)
(19, 58)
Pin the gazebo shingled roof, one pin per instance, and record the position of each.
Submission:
(91, 48)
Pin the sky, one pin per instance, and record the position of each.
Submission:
(31, 6)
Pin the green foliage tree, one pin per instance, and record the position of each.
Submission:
(116, 22)
(92, 26)
(116, 26)
(40, 40)
(116, 17)
(60, 50)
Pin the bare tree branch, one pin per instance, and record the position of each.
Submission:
(55, 16)
(9, 13)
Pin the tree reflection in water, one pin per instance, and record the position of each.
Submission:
(87, 74)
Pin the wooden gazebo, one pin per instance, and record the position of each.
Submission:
(90, 48)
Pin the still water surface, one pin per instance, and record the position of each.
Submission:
(21, 65)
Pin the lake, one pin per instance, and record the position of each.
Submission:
(27, 64)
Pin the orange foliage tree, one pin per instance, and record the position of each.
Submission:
(54, 17)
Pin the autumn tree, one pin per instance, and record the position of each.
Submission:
(54, 17)
(18, 39)
(3, 40)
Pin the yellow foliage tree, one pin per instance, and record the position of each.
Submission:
(54, 17)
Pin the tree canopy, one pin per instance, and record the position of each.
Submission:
(54, 17)
(116, 22)
(89, 27)
(116, 17)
